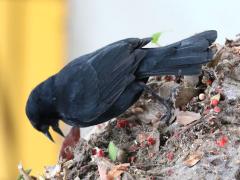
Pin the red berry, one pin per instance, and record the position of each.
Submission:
(122, 123)
(100, 153)
(222, 141)
(217, 109)
(170, 156)
(94, 151)
(151, 141)
(214, 102)
(209, 82)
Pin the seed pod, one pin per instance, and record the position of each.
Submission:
(202, 96)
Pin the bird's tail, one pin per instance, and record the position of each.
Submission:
(181, 58)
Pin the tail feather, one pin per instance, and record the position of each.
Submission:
(185, 57)
(186, 70)
(188, 59)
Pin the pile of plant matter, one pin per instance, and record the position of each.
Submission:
(202, 139)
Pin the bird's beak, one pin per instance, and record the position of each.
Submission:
(56, 128)
(48, 135)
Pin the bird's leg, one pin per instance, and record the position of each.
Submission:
(166, 102)
(179, 76)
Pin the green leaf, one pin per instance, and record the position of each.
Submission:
(155, 37)
(112, 151)
(20, 177)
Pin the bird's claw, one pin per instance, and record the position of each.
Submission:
(168, 115)
(166, 102)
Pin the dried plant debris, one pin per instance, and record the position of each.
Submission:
(193, 159)
(202, 141)
(24, 174)
(187, 117)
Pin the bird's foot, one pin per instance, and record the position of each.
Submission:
(166, 118)
(166, 102)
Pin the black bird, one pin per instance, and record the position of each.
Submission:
(101, 85)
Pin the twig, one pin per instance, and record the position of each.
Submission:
(23, 173)
(145, 165)
(191, 125)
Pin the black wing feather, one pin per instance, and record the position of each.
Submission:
(95, 81)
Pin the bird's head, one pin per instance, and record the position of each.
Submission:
(41, 111)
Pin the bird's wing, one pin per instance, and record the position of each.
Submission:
(95, 81)
(77, 92)
(115, 66)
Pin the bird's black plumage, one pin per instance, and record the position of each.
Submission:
(101, 85)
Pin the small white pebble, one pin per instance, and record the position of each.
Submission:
(201, 96)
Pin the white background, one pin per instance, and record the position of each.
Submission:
(95, 23)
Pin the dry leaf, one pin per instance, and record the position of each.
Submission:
(193, 159)
(69, 143)
(184, 95)
(52, 171)
(116, 171)
(102, 172)
(236, 50)
(187, 117)
(217, 97)
(104, 165)
(141, 137)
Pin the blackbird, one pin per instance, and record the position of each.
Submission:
(101, 85)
